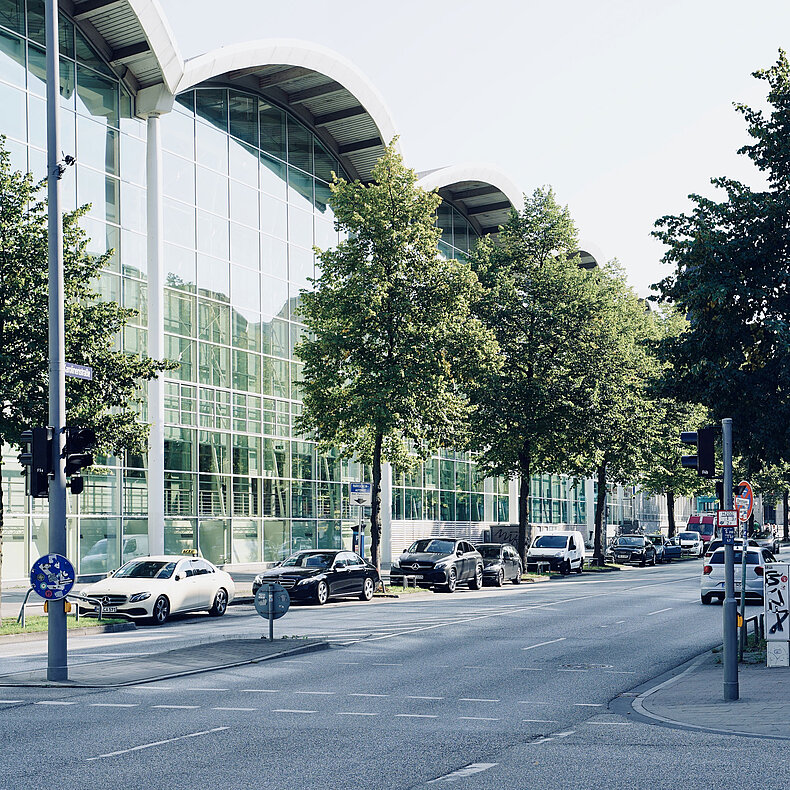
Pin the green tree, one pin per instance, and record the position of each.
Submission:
(392, 341)
(111, 402)
(731, 280)
(620, 420)
(542, 309)
(773, 482)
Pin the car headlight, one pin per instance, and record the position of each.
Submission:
(395, 566)
(305, 581)
(137, 597)
(259, 580)
(441, 566)
(558, 554)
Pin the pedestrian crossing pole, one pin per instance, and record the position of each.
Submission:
(730, 608)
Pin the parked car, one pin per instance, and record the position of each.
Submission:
(705, 525)
(672, 550)
(441, 563)
(501, 563)
(767, 540)
(690, 543)
(659, 541)
(718, 543)
(320, 574)
(564, 551)
(712, 580)
(634, 548)
(153, 588)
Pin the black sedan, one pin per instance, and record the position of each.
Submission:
(319, 574)
(501, 563)
(441, 563)
(634, 548)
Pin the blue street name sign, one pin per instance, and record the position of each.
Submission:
(361, 494)
(76, 371)
(728, 536)
(52, 577)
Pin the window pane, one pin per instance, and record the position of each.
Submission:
(244, 163)
(97, 96)
(245, 288)
(325, 163)
(275, 297)
(213, 278)
(244, 204)
(274, 257)
(212, 191)
(211, 104)
(179, 266)
(213, 235)
(12, 57)
(273, 177)
(178, 134)
(244, 245)
(246, 330)
(179, 224)
(274, 216)
(300, 146)
(211, 147)
(178, 177)
(12, 15)
(244, 117)
(213, 322)
(272, 130)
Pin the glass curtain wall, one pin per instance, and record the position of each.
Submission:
(98, 127)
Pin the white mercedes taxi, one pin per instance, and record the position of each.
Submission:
(153, 588)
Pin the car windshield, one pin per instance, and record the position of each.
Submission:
(706, 529)
(146, 569)
(551, 542)
(430, 546)
(310, 559)
(689, 536)
(489, 552)
(752, 557)
(656, 539)
(630, 541)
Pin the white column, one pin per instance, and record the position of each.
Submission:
(386, 514)
(156, 340)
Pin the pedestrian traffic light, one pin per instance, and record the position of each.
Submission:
(705, 459)
(79, 442)
(36, 457)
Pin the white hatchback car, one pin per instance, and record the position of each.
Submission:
(712, 581)
(690, 543)
(153, 588)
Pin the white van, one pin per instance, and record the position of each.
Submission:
(564, 551)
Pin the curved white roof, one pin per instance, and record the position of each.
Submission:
(323, 88)
(483, 193)
(591, 254)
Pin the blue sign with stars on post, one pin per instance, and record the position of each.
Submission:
(52, 577)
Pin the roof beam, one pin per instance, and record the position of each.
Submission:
(339, 115)
(465, 194)
(472, 210)
(89, 7)
(490, 230)
(286, 75)
(130, 52)
(315, 92)
(360, 145)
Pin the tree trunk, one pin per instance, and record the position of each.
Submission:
(524, 503)
(600, 514)
(671, 512)
(785, 536)
(375, 509)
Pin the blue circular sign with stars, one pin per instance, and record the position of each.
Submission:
(52, 577)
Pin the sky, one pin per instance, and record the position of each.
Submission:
(623, 107)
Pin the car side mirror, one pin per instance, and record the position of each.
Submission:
(459, 552)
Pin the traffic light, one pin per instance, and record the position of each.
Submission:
(36, 457)
(705, 459)
(79, 442)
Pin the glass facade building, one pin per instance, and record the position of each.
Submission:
(244, 150)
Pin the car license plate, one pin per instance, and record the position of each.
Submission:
(418, 576)
(106, 609)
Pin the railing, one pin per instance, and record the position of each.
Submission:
(96, 602)
(758, 624)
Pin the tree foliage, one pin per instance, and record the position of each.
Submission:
(731, 279)
(392, 341)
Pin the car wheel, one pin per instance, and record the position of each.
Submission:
(452, 581)
(653, 561)
(517, 580)
(367, 589)
(476, 582)
(321, 593)
(500, 577)
(581, 565)
(642, 562)
(706, 599)
(565, 568)
(220, 605)
(161, 611)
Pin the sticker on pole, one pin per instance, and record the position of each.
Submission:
(280, 600)
(52, 577)
(361, 494)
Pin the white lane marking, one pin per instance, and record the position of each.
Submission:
(424, 697)
(477, 718)
(261, 691)
(296, 661)
(320, 693)
(157, 743)
(176, 707)
(658, 611)
(54, 702)
(571, 670)
(289, 710)
(235, 709)
(9, 701)
(588, 704)
(207, 689)
(540, 721)
(472, 699)
(473, 667)
(530, 669)
(541, 644)
(354, 713)
(620, 672)
(387, 664)
(542, 740)
(469, 770)
(620, 622)
(367, 695)
(349, 663)
(153, 688)
(114, 704)
(416, 716)
(564, 734)
(626, 723)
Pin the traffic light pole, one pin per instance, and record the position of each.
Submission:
(730, 622)
(57, 657)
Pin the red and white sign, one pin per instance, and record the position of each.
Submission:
(727, 518)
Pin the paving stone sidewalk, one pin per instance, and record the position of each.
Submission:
(173, 663)
(694, 699)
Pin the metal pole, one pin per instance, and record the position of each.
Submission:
(730, 608)
(57, 657)
(271, 613)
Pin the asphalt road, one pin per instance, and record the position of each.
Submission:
(498, 688)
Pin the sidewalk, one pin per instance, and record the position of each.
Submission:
(693, 699)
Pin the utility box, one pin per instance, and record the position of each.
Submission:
(776, 598)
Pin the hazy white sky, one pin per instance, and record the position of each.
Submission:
(623, 106)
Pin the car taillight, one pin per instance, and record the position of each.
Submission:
(759, 570)
(707, 569)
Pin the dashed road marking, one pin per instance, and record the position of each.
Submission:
(319, 693)
(9, 701)
(354, 713)
(589, 704)
(176, 707)
(236, 709)
(472, 699)
(478, 718)
(541, 644)
(424, 697)
(157, 743)
(359, 694)
(461, 773)
(416, 716)
(291, 710)
(658, 611)
(114, 704)
(55, 702)
(261, 691)
(540, 721)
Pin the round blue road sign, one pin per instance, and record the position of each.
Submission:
(52, 577)
(281, 601)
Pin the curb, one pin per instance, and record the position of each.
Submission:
(40, 636)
